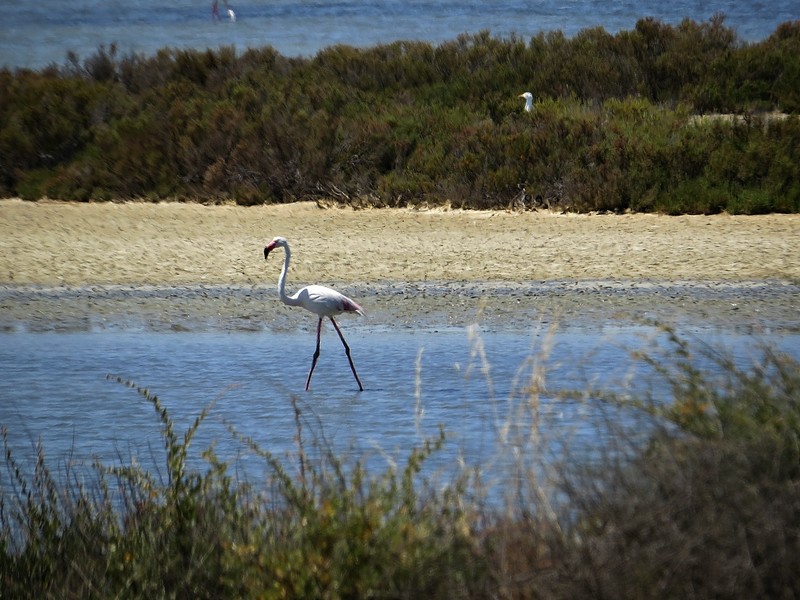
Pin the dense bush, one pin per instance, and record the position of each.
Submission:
(613, 128)
(710, 508)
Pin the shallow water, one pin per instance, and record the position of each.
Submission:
(34, 34)
(472, 382)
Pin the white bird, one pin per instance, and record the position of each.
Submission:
(318, 299)
(228, 10)
(528, 101)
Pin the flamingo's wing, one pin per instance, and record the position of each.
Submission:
(326, 302)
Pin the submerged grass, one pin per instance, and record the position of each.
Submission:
(692, 496)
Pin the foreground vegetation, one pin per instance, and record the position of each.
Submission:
(614, 127)
(704, 505)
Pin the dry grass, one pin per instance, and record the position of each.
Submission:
(695, 497)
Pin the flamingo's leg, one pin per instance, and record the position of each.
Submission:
(347, 351)
(316, 354)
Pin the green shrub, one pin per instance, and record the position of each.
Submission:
(709, 507)
(411, 122)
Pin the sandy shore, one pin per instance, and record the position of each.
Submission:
(66, 250)
(81, 244)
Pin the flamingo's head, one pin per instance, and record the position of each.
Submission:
(278, 241)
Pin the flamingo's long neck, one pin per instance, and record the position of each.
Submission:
(282, 280)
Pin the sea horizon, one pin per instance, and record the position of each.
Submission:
(36, 35)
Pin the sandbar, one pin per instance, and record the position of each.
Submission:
(187, 265)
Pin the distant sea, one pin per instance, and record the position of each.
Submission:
(36, 33)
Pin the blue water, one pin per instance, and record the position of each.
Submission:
(54, 389)
(34, 34)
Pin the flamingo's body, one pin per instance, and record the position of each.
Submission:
(528, 101)
(318, 299)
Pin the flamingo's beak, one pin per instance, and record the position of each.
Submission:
(266, 252)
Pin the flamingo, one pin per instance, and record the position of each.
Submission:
(318, 299)
(228, 10)
(528, 101)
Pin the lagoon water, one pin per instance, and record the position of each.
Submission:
(54, 388)
(35, 34)
(53, 385)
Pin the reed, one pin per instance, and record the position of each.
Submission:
(693, 494)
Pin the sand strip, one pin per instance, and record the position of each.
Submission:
(179, 266)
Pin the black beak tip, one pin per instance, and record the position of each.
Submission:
(266, 253)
